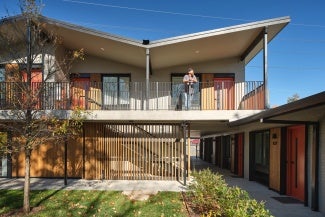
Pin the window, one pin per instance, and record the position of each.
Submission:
(260, 155)
(262, 147)
(116, 91)
(2, 74)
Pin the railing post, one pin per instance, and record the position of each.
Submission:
(147, 77)
(255, 95)
(157, 95)
(223, 94)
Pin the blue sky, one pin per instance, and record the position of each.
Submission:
(296, 55)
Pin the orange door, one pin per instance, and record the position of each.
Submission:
(296, 162)
(240, 154)
(79, 91)
(224, 93)
(36, 79)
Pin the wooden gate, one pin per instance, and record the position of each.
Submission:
(80, 89)
(133, 151)
(207, 92)
(224, 93)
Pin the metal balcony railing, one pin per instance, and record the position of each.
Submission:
(132, 96)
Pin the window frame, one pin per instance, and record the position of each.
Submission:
(260, 158)
(116, 100)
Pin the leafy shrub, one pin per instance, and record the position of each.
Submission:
(210, 196)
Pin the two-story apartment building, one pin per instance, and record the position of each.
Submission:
(138, 127)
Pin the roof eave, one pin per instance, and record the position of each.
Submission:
(282, 20)
(305, 103)
(78, 28)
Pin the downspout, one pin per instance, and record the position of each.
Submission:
(147, 77)
(265, 71)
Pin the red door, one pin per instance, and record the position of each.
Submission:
(240, 154)
(36, 81)
(224, 93)
(296, 162)
(80, 88)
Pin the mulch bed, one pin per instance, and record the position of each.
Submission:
(189, 206)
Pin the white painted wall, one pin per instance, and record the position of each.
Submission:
(218, 66)
(93, 64)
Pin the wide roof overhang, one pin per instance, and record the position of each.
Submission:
(229, 42)
(309, 110)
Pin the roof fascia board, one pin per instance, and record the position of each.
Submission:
(78, 28)
(269, 121)
(305, 103)
(92, 32)
(269, 40)
(221, 31)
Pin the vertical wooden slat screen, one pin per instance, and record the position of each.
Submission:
(133, 151)
(207, 92)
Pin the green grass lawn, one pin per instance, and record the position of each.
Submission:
(91, 203)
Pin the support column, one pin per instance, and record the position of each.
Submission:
(9, 155)
(184, 126)
(65, 160)
(214, 151)
(265, 70)
(189, 150)
(314, 167)
(147, 77)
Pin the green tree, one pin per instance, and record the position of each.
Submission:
(26, 44)
(293, 98)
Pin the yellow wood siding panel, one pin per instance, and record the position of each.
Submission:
(275, 152)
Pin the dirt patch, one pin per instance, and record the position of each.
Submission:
(140, 195)
(20, 212)
(189, 206)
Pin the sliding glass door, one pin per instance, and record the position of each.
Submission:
(116, 91)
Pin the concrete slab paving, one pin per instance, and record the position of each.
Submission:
(81, 184)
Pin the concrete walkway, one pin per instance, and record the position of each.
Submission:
(260, 193)
(256, 190)
(81, 184)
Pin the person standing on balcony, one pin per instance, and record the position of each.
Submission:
(189, 79)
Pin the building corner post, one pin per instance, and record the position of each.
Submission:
(188, 150)
(184, 126)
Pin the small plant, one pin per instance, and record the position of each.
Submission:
(211, 196)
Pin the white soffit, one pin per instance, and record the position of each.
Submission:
(228, 42)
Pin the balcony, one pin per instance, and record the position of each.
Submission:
(135, 96)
